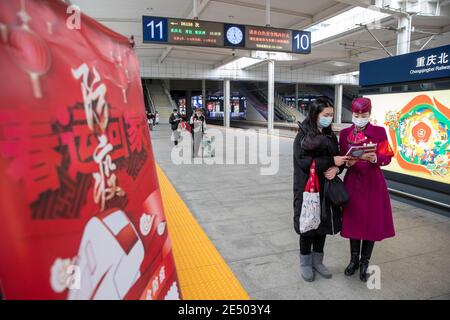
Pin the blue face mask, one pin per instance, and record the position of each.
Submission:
(325, 122)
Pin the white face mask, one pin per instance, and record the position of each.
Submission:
(360, 122)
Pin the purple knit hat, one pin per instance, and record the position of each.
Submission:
(361, 105)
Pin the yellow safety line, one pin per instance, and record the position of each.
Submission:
(202, 272)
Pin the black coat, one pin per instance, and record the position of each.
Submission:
(322, 148)
(173, 121)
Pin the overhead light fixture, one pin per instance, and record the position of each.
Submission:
(339, 63)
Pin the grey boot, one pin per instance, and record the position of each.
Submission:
(306, 267)
(317, 258)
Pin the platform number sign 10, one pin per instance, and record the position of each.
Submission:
(301, 42)
(154, 29)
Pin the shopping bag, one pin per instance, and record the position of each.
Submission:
(310, 214)
(208, 150)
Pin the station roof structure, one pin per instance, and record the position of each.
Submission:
(344, 32)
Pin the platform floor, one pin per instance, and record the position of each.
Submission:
(248, 218)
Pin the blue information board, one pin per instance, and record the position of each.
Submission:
(301, 42)
(155, 29)
(416, 66)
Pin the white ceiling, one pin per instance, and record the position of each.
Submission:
(338, 54)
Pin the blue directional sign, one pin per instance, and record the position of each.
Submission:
(154, 29)
(415, 66)
(301, 42)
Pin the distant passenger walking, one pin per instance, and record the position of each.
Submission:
(174, 121)
(316, 142)
(150, 118)
(198, 124)
(367, 217)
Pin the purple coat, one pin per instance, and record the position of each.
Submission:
(368, 214)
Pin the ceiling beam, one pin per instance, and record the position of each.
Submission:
(255, 65)
(321, 16)
(352, 32)
(164, 54)
(263, 8)
(223, 52)
(308, 64)
(225, 61)
(200, 8)
(356, 3)
(187, 60)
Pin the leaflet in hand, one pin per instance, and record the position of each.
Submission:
(358, 151)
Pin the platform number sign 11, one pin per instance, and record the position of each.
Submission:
(154, 29)
(301, 42)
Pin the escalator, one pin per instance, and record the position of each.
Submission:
(327, 90)
(254, 93)
(147, 98)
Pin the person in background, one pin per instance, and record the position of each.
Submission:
(198, 124)
(367, 217)
(149, 119)
(174, 121)
(182, 109)
(315, 141)
(131, 42)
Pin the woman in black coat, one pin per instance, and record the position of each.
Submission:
(316, 141)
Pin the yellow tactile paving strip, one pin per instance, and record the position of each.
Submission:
(202, 272)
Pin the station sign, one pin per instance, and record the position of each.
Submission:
(416, 66)
(216, 34)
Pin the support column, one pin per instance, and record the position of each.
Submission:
(204, 94)
(226, 103)
(267, 13)
(270, 95)
(195, 9)
(404, 34)
(296, 96)
(338, 90)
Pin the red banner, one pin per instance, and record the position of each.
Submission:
(80, 208)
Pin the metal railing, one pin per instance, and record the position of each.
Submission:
(149, 97)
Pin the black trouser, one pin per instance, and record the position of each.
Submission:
(365, 250)
(317, 243)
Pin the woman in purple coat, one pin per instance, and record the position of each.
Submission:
(367, 217)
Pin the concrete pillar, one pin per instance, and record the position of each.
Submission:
(404, 34)
(296, 96)
(204, 94)
(338, 90)
(270, 95)
(226, 103)
(195, 9)
(267, 13)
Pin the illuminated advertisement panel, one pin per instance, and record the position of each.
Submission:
(418, 128)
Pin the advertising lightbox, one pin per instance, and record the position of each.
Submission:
(418, 128)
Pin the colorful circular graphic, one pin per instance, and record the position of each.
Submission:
(420, 132)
